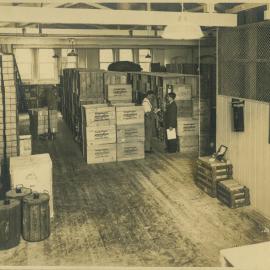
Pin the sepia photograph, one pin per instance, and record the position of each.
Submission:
(134, 134)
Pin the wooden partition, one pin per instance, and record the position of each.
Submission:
(249, 151)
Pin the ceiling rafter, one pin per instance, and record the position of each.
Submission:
(139, 1)
(109, 17)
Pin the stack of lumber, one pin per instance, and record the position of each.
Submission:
(130, 132)
(8, 108)
(99, 133)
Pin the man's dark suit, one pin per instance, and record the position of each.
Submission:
(170, 119)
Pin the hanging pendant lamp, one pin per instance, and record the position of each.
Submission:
(72, 52)
(182, 29)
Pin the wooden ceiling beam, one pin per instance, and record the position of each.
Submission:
(109, 17)
(243, 7)
(137, 1)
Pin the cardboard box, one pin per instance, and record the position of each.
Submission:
(130, 151)
(101, 153)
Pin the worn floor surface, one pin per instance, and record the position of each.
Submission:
(135, 213)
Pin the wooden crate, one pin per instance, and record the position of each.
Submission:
(25, 145)
(189, 144)
(98, 115)
(130, 151)
(184, 108)
(100, 135)
(100, 153)
(119, 93)
(130, 133)
(187, 127)
(33, 172)
(114, 77)
(182, 91)
(210, 173)
(129, 115)
(231, 193)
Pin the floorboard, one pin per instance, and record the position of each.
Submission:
(134, 213)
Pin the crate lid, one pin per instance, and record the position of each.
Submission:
(9, 203)
(18, 192)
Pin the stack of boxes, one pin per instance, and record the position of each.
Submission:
(216, 179)
(8, 107)
(130, 132)
(201, 112)
(187, 126)
(42, 119)
(112, 133)
(25, 139)
(99, 134)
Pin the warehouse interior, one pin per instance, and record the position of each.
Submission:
(78, 185)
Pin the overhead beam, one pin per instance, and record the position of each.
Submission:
(136, 1)
(243, 7)
(98, 42)
(104, 17)
(77, 32)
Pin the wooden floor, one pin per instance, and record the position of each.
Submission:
(135, 213)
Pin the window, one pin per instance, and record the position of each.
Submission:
(125, 55)
(144, 62)
(105, 58)
(24, 59)
(46, 64)
(68, 61)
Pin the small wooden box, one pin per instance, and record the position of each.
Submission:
(231, 193)
(210, 173)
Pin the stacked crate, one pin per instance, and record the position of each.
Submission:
(201, 112)
(231, 193)
(8, 108)
(24, 124)
(80, 87)
(43, 120)
(188, 130)
(209, 173)
(99, 134)
(187, 125)
(130, 132)
(25, 145)
(119, 93)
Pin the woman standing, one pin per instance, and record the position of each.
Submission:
(170, 119)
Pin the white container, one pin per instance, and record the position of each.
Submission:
(33, 172)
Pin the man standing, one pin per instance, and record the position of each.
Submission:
(170, 119)
(149, 120)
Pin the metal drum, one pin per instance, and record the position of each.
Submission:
(36, 217)
(10, 223)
